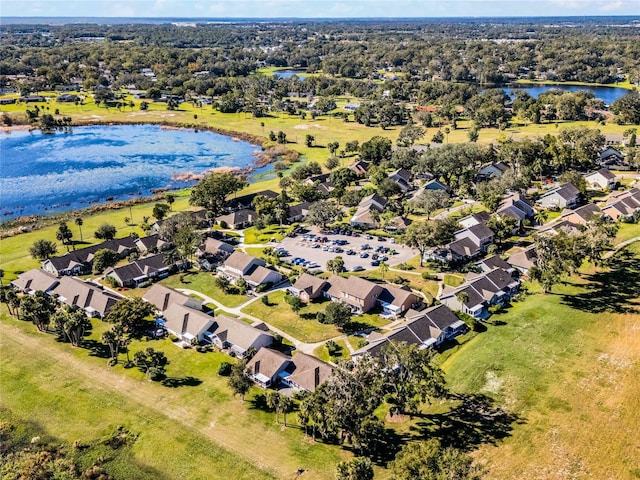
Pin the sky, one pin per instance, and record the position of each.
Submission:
(314, 8)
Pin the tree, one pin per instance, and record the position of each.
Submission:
(335, 265)
(160, 211)
(71, 324)
(9, 298)
(131, 314)
(273, 402)
(376, 150)
(360, 468)
(38, 309)
(103, 259)
(294, 302)
(323, 212)
(78, 221)
(427, 234)
(212, 191)
(426, 460)
(597, 238)
(286, 406)
(342, 178)
(628, 108)
(383, 268)
(239, 380)
(556, 257)
(43, 249)
(282, 137)
(105, 232)
(337, 314)
(438, 137)
(541, 216)
(502, 226)
(309, 139)
(152, 363)
(431, 200)
(574, 178)
(473, 134)
(333, 147)
(170, 198)
(409, 135)
(144, 105)
(186, 241)
(64, 234)
(332, 162)
(490, 194)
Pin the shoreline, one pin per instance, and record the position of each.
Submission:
(30, 223)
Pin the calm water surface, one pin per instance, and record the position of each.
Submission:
(607, 94)
(41, 173)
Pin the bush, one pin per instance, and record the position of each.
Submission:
(495, 308)
(265, 300)
(428, 276)
(173, 338)
(225, 369)
(320, 317)
(224, 224)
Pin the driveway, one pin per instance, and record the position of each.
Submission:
(298, 247)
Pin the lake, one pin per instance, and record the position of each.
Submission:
(44, 173)
(288, 73)
(607, 94)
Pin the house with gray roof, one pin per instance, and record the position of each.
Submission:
(306, 372)
(236, 336)
(163, 297)
(188, 324)
(523, 259)
(266, 366)
(131, 275)
(239, 265)
(35, 280)
(308, 287)
(602, 179)
(565, 196)
(91, 298)
(238, 219)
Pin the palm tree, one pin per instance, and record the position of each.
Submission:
(541, 216)
(286, 406)
(463, 297)
(79, 223)
(273, 402)
(384, 268)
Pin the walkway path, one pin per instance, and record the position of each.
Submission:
(621, 245)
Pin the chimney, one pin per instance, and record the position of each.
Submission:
(256, 368)
(316, 377)
(185, 321)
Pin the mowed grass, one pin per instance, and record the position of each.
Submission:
(302, 325)
(568, 365)
(627, 231)
(204, 282)
(185, 431)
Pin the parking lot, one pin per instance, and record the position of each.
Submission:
(317, 252)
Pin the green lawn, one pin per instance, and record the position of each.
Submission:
(252, 235)
(323, 353)
(280, 315)
(429, 287)
(452, 280)
(567, 365)
(204, 282)
(627, 231)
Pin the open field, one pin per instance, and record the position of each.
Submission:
(205, 431)
(568, 365)
(204, 282)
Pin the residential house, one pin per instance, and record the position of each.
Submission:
(436, 185)
(481, 291)
(364, 217)
(298, 212)
(516, 206)
(488, 264)
(188, 324)
(214, 248)
(395, 301)
(623, 205)
(480, 234)
(611, 158)
(523, 259)
(267, 365)
(398, 224)
(581, 215)
(475, 219)
(306, 372)
(492, 170)
(246, 201)
(318, 179)
(163, 297)
(142, 270)
(308, 287)
(239, 265)
(238, 219)
(80, 261)
(360, 168)
(565, 226)
(427, 329)
(91, 298)
(360, 294)
(565, 196)
(236, 336)
(402, 178)
(603, 179)
(35, 280)
(151, 244)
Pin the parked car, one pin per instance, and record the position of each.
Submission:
(338, 249)
(381, 239)
(364, 255)
(351, 252)
(357, 268)
(365, 246)
(315, 245)
(375, 263)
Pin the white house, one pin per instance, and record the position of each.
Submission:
(603, 179)
(565, 196)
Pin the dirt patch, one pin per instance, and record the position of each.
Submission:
(305, 126)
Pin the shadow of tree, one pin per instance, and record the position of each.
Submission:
(476, 420)
(615, 290)
(175, 382)
(96, 349)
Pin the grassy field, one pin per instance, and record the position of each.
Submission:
(202, 426)
(302, 325)
(204, 282)
(323, 353)
(567, 365)
(452, 280)
(252, 235)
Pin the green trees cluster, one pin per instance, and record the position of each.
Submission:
(212, 191)
(429, 234)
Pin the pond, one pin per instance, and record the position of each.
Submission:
(44, 173)
(607, 94)
(288, 73)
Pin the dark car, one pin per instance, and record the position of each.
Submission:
(364, 255)
(351, 252)
(375, 263)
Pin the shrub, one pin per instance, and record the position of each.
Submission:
(223, 224)
(428, 276)
(225, 369)
(265, 300)
(495, 308)
(173, 338)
